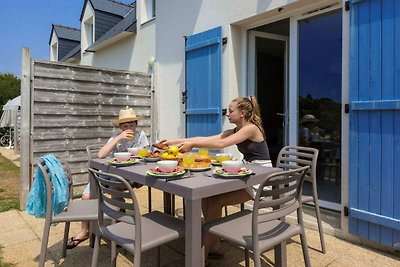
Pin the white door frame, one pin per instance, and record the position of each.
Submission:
(252, 78)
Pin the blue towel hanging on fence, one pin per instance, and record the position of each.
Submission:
(36, 202)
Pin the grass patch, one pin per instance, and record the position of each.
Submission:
(9, 186)
(4, 264)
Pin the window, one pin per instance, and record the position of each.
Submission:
(53, 52)
(88, 33)
(148, 10)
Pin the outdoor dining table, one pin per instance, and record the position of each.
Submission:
(193, 189)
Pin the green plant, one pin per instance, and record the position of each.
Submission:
(9, 185)
(3, 264)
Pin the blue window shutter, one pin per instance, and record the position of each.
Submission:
(374, 174)
(203, 53)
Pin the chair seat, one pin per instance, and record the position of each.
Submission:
(78, 210)
(237, 229)
(157, 229)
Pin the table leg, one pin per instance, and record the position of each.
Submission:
(193, 233)
(167, 203)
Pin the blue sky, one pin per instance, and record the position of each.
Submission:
(27, 23)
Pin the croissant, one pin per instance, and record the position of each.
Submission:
(161, 146)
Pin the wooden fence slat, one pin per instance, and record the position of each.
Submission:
(73, 107)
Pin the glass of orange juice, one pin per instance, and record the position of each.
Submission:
(188, 159)
(203, 152)
(223, 157)
(143, 152)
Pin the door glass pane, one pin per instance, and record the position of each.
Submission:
(320, 76)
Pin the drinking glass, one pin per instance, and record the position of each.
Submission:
(188, 159)
(203, 152)
(143, 152)
(223, 157)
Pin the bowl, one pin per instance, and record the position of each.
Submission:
(167, 165)
(221, 157)
(122, 156)
(133, 150)
(232, 166)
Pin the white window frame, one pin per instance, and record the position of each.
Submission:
(147, 11)
(89, 31)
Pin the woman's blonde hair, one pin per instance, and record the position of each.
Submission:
(252, 110)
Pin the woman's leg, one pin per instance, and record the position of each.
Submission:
(84, 232)
(212, 210)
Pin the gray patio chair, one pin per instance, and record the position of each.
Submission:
(92, 151)
(291, 157)
(262, 228)
(133, 232)
(79, 210)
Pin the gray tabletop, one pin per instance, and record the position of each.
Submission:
(198, 185)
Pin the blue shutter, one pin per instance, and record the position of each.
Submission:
(374, 160)
(203, 83)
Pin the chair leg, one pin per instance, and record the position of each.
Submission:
(246, 257)
(95, 256)
(226, 210)
(45, 241)
(320, 229)
(149, 197)
(113, 254)
(66, 233)
(305, 249)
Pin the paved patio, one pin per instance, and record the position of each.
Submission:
(20, 237)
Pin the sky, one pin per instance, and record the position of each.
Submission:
(27, 23)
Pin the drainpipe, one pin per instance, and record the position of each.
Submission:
(154, 103)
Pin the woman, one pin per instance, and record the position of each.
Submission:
(120, 141)
(249, 137)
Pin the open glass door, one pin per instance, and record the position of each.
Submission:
(319, 99)
(268, 81)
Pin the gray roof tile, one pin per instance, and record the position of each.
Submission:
(66, 32)
(124, 25)
(109, 6)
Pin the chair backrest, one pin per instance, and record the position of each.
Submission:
(92, 150)
(278, 195)
(45, 170)
(49, 186)
(117, 200)
(292, 157)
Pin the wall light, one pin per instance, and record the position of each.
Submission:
(150, 63)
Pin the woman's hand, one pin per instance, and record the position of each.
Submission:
(126, 135)
(168, 142)
(185, 146)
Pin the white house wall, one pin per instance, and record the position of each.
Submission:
(86, 58)
(53, 42)
(176, 19)
(130, 53)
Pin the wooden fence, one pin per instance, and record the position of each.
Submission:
(66, 107)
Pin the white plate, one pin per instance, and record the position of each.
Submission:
(221, 173)
(123, 163)
(151, 159)
(165, 174)
(198, 169)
